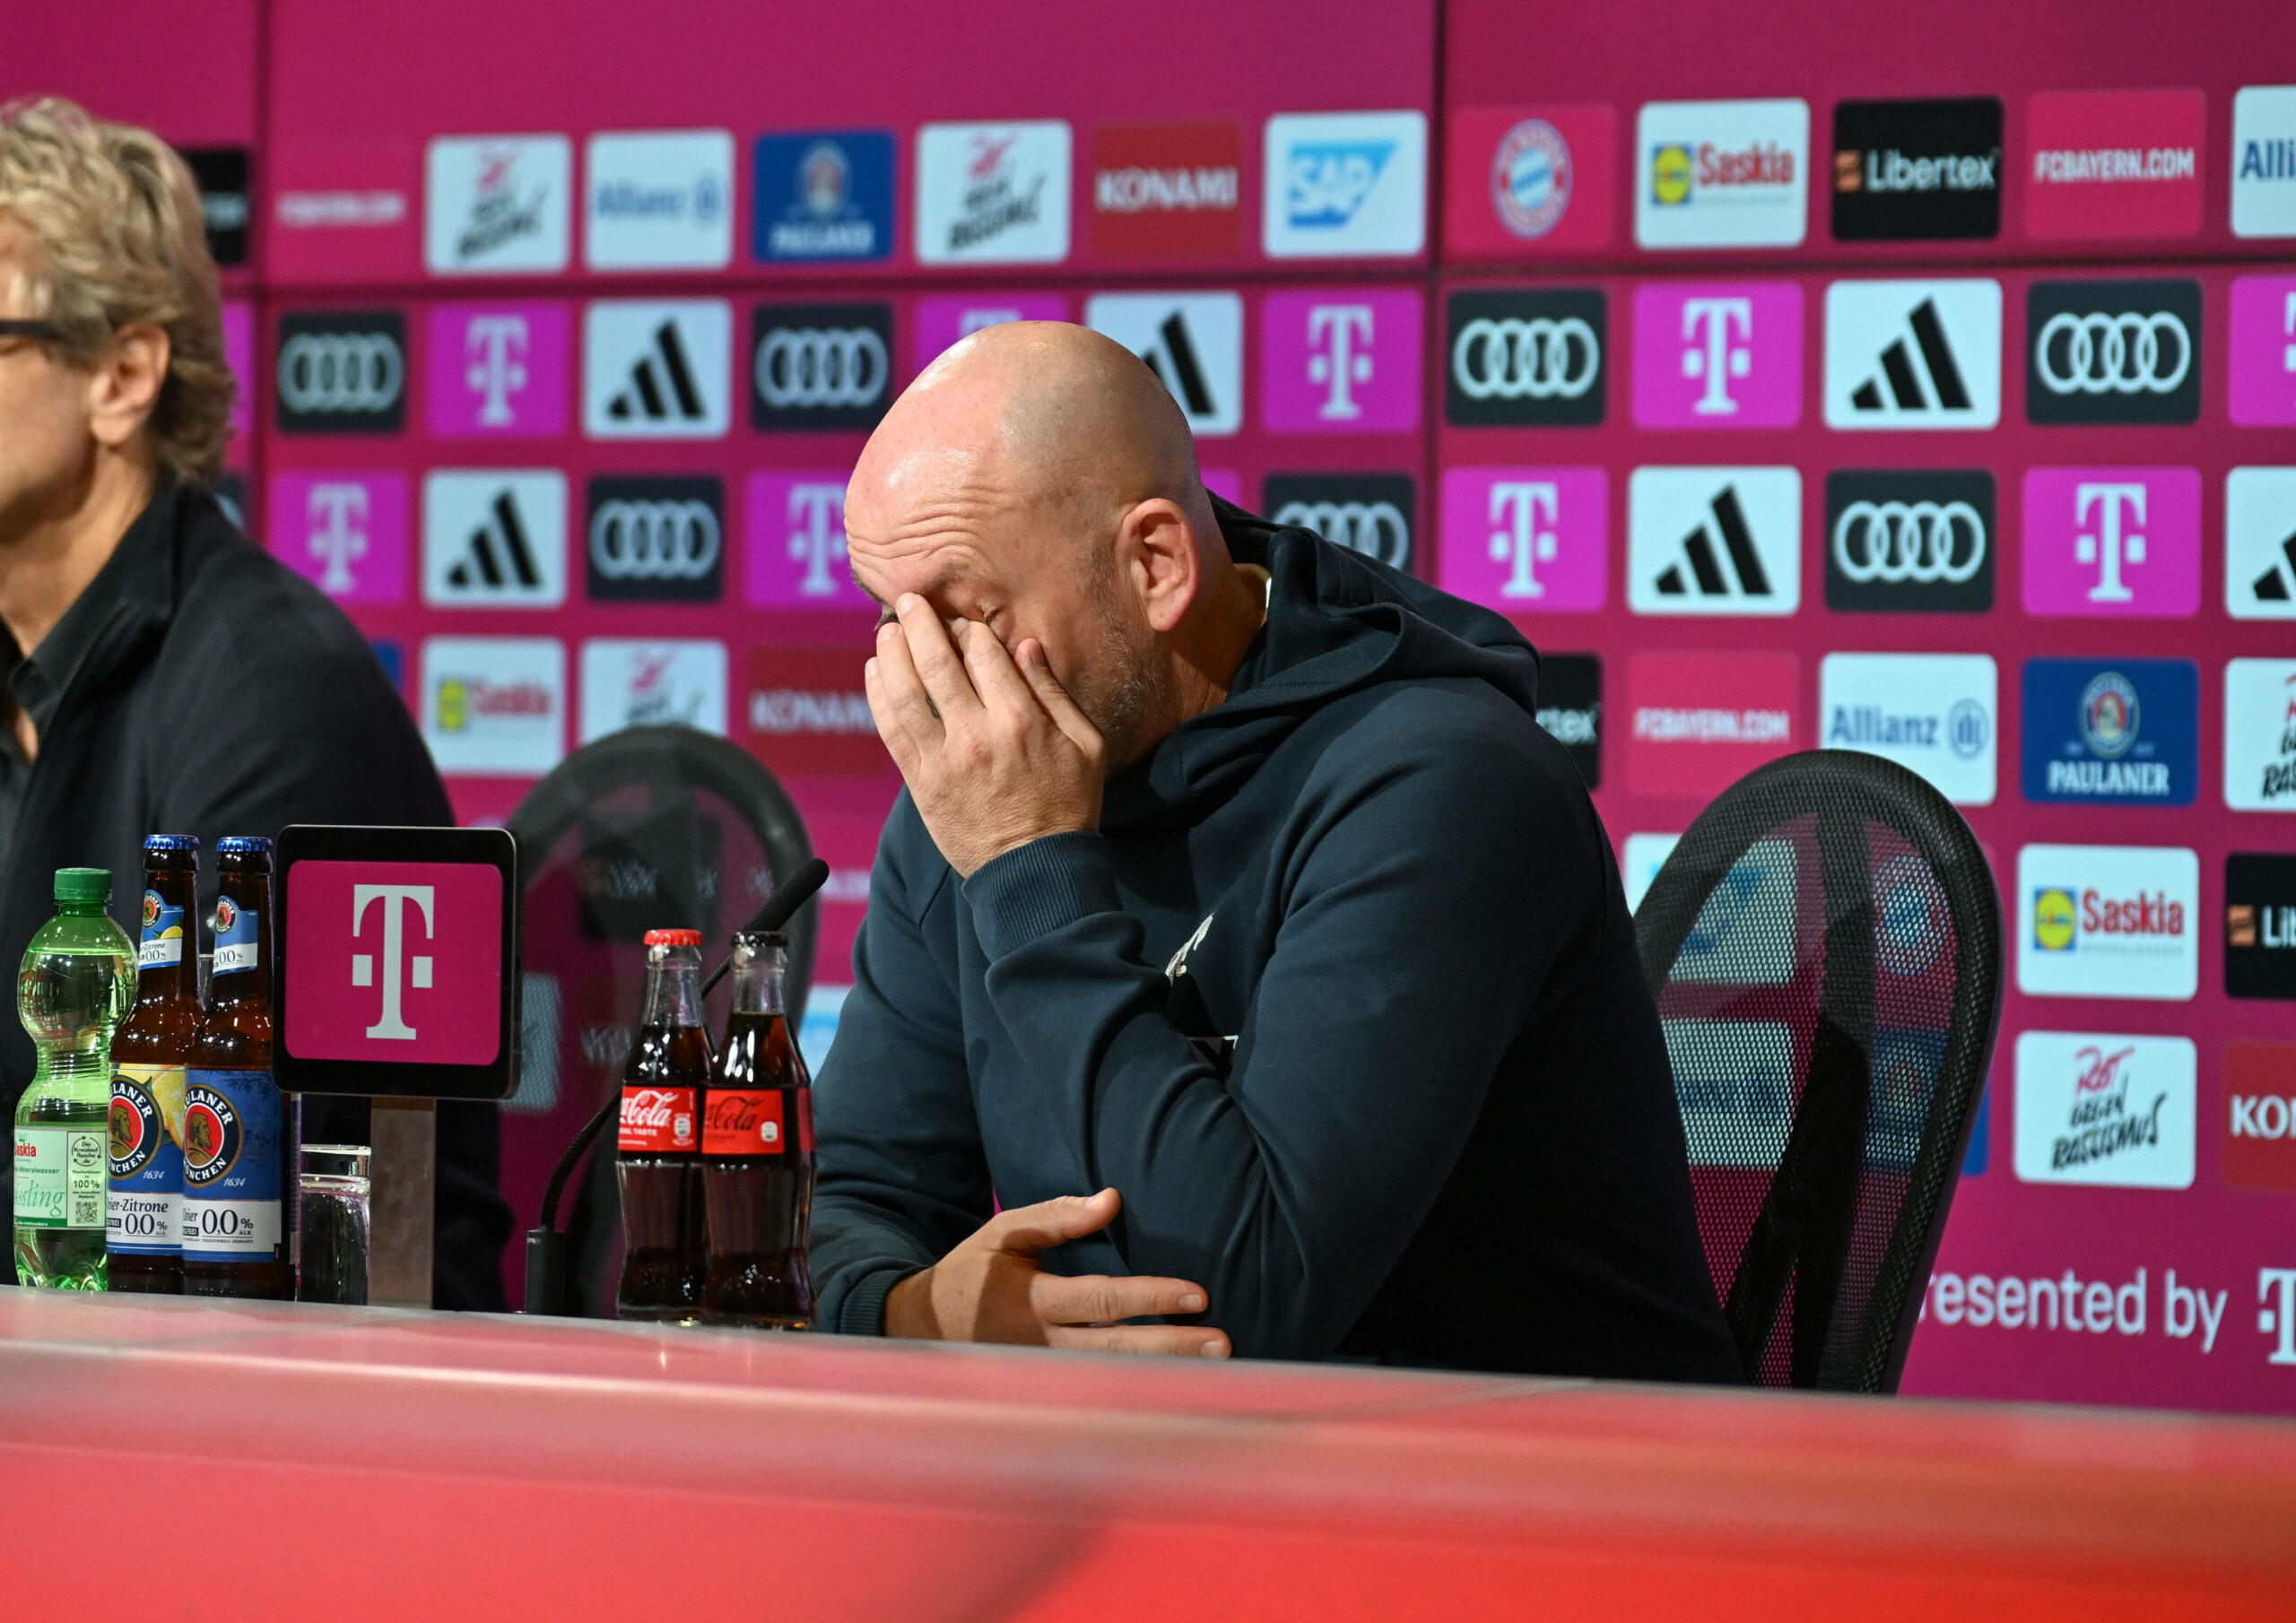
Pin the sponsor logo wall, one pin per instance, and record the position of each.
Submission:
(1781, 409)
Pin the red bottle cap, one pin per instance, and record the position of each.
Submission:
(673, 937)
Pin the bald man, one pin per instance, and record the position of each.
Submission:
(1244, 971)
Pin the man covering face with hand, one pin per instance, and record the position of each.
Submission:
(1241, 935)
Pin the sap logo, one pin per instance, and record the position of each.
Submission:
(2113, 352)
(1193, 342)
(1745, 933)
(499, 370)
(1717, 355)
(1913, 354)
(345, 532)
(1917, 169)
(342, 373)
(993, 193)
(495, 539)
(1714, 541)
(1340, 362)
(2110, 1110)
(657, 540)
(658, 371)
(1366, 513)
(1902, 541)
(2112, 540)
(2264, 162)
(815, 367)
(1532, 358)
(2109, 921)
(2260, 734)
(824, 195)
(2126, 734)
(1346, 185)
(652, 683)
(2260, 925)
(1527, 540)
(1930, 713)
(659, 200)
(1722, 174)
(494, 706)
(498, 204)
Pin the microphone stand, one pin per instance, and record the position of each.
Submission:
(546, 1246)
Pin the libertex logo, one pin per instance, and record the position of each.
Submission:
(400, 962)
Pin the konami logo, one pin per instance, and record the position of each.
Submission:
(2260, 1129)
(808, 714)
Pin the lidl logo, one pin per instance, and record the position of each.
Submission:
(2109, 921)
(2055, 920)
(1670, 175)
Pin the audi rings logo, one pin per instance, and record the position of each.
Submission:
(2113, 352)
(342, 374)
(1522, 357)
(2122, 354)
(1366, 513)
(656, 539)
(1895, 541)
(1512, 359)
(1909, 541)
(822, 366)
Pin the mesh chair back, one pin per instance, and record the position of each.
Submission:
(1825, 947)
(651, 828)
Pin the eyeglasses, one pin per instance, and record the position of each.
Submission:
(47, 331)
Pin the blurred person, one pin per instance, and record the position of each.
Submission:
(162, 673)
(1239, 933)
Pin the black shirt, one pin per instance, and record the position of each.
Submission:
(200, 687)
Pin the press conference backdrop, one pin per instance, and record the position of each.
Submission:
(1919, 381)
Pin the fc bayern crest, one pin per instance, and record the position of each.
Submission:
(2108, 715)
(1530, 178)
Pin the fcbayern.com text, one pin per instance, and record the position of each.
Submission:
(2178, 1306)
(1682, 723)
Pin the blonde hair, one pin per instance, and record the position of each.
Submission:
(115, 214)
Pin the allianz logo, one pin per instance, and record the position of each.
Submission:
(704, 199)
(1964, 730)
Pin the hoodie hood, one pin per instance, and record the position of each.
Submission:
(1337, 622)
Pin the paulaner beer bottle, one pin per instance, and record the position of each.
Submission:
(659, 1150)
(757, 1153)
(144, 1227)
(238, 1148)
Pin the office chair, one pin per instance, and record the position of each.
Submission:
(1825, 947)
(650, 828)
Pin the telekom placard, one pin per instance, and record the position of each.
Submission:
(395, 962)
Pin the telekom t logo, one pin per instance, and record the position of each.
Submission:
(1339, 339)
(395, 899)
(2288, 326)
(2108, 546)
(817, 534)
(1709, 353)
(494, 347)
(1518, 542)
(2277, 1289)
(981, 317)
(334, 518)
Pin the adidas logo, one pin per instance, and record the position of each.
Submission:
(2277, 584)
(494, 540)
(1913, 354)
(1714, 541)
(1193, 342)
(657, 369)
(2259, 552)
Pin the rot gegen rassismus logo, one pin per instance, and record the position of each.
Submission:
(395, 962)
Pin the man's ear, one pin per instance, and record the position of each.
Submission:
(124, 386)
(1160, 544)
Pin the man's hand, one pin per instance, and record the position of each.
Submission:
(990, 1288)
(996, 755)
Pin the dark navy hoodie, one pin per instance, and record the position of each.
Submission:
(1342, 996)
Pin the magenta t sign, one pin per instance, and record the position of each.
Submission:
(395, 962)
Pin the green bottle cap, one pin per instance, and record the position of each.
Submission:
(84, 885)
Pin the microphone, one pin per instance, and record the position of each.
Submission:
(545, 1246)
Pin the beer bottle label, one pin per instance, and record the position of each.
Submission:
(162, 942)
(144, 1212)
(236, 930)
(234, 1161)
(658, 1121)
(59, 1177)
(744, 1121)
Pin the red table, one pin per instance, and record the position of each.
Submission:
(167, 1459)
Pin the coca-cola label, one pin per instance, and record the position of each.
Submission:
(744, 1121)
(659, 1120)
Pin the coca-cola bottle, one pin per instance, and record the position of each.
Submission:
(757, 1153)
(658, 1155)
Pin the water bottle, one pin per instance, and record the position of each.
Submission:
(77, 981)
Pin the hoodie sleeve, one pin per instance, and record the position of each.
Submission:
(901, 1174)
(1442, 873)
